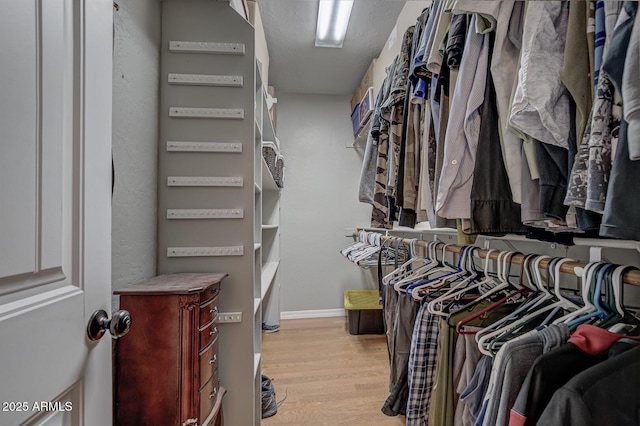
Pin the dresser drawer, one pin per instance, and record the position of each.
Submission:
(208, 359)
(209, 311)
(209, 293)
(208, 333)
(208, 395)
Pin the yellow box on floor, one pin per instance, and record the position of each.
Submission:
(362, 299)
(364, 311)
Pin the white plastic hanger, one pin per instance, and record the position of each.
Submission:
(617, 288)
(421, 274)
(416, 273)
(466, 271)
(484, 340)
(585, 284)
(416, 262)
(436, 306)
(535, 282)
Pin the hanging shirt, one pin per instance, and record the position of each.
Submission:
(461, 140)
(510, 368)
(611, 12)
(456, 40)
(605, 394)
(492, 207)
(631, 91)
(467, 355)
(419, 67)
(600, 39)
(504, 65)
(473, 394)
(380, 132)
(620, 219)
(589, 179)
(393, 112)
(575, 71)
(587, 346)
(418, 33)
(604, 135)
(486, 13)
(368, 172)
(540, 106)
(434, 60)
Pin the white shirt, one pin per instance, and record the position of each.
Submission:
(540, 106)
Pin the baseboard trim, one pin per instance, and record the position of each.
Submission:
(321, 313)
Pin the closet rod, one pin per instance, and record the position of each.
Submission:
(631, 277)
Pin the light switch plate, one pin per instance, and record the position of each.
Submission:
(227, 317)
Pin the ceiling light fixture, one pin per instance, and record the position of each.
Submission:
(333, 20)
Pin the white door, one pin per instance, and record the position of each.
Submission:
(55, 210)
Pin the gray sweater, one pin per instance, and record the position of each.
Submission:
(511, 365)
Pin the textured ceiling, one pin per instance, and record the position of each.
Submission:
(297, 66)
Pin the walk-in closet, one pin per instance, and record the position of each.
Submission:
(428, 217)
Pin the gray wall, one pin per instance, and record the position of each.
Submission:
(319, 200)
(135, 139)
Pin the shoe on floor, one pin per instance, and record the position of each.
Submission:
(266, 384)
(269, 403)
(270, 328)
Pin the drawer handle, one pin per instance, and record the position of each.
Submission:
(214, 331)
(214, 359)
(214, 310)
(213, 394)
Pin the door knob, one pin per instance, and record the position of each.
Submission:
(99, 323)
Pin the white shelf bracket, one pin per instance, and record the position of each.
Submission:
(181, 146)
(204, 181)
(205, 251)
(207, 47)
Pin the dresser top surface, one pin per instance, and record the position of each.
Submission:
(179, 283)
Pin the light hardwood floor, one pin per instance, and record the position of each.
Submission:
(331, 377)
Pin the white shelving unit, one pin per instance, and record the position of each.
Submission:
(270, 286)
(216, 198)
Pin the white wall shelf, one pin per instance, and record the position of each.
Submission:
(361, 139)
(268, 183)
(258, 130)
(256, 363)
(268, 131)
(268, 274)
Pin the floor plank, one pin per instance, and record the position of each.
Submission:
(330, 376)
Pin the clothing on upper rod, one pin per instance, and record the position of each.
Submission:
(510, 117)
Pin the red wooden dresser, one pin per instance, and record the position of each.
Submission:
(166, 368)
